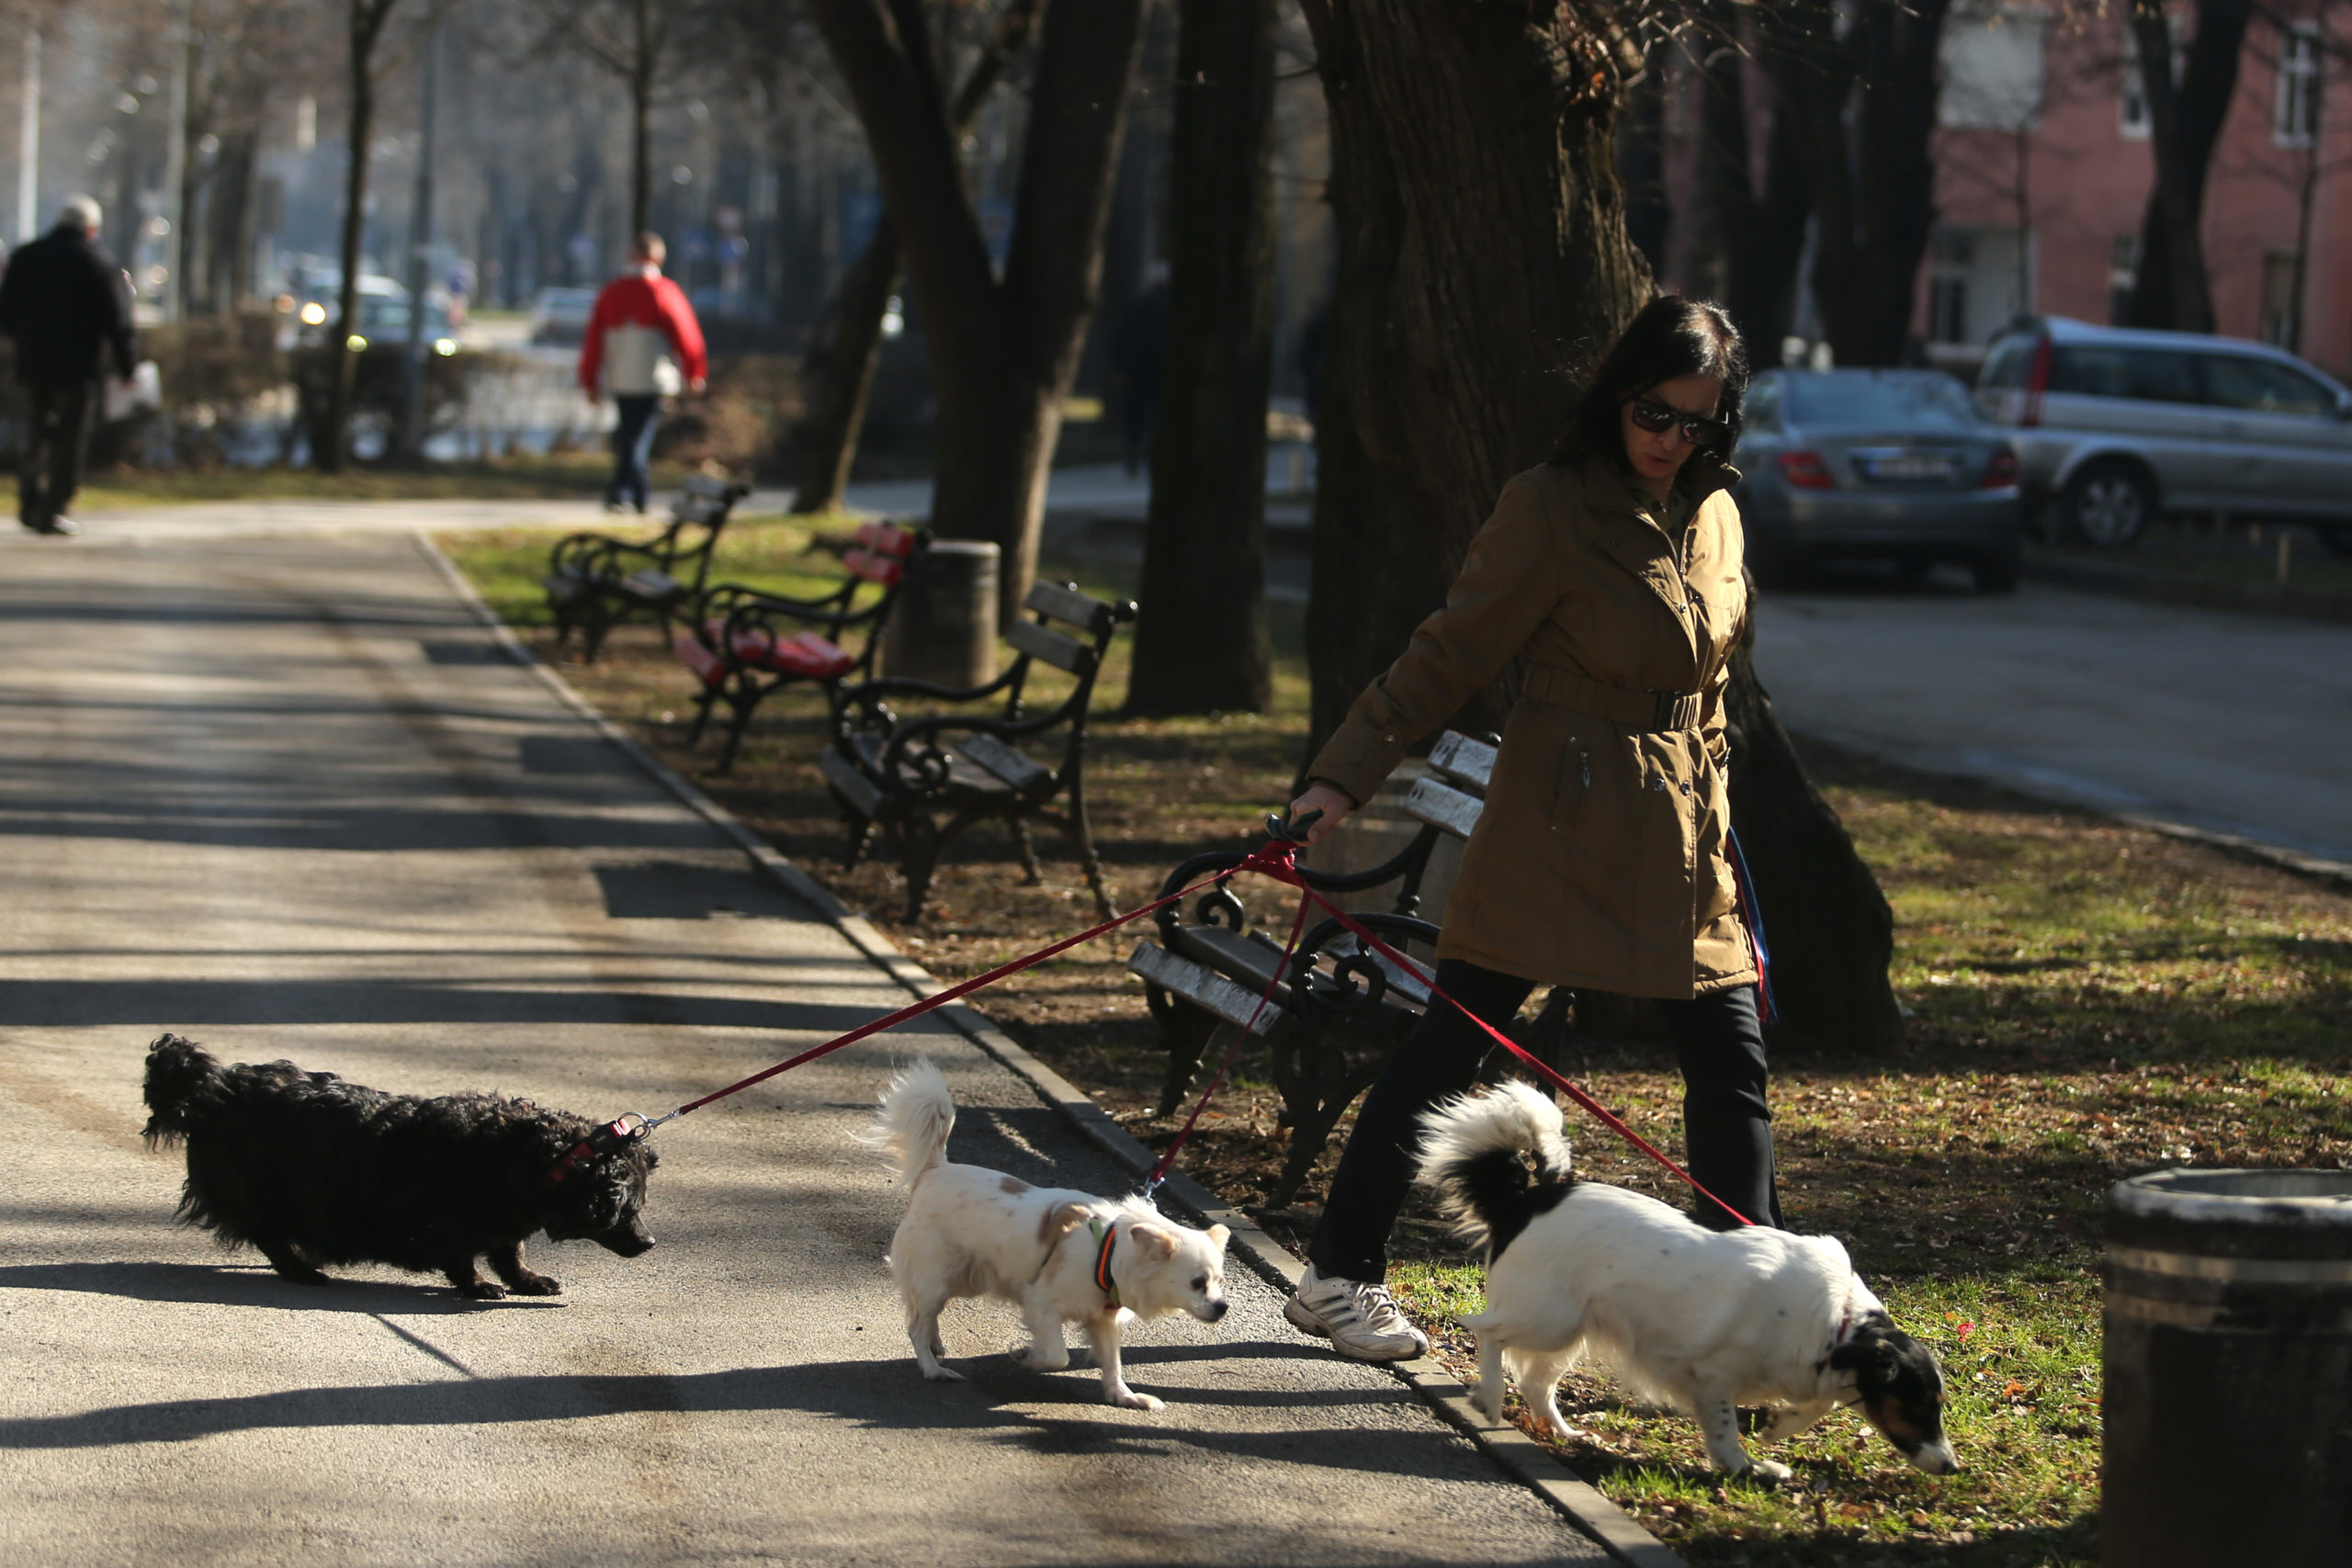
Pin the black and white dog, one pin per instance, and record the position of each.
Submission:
(313, 1171)
(1702, 1320)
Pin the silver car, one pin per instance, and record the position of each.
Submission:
(1893, 465)
(2113, 426)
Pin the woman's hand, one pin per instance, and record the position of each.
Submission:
(1331, 800)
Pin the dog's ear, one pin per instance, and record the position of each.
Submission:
(1060, 1222)
(1219, 1236)
(1152, 1242)
(1865, 1349)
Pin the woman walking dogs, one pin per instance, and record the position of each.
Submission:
(1613, 571)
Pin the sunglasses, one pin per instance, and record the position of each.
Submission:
(1658, 417)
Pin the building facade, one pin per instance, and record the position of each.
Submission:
(2044, 171)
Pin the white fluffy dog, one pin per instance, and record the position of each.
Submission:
(1702, 1320)
(1061, 1256)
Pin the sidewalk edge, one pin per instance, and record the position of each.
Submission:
(1520, 1456)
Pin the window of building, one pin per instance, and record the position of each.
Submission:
(1992, 59)
(2294, 114)
(2282, 310)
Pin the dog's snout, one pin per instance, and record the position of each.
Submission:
(1216, 1309)
(632, 1242)
(1937, 1458)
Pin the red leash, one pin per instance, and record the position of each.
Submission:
(1278, 860)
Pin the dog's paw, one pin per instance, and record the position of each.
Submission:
(1040, 1359)
(1129, 1399)
(536, 1285)
(942, 1375)
(484, 1290)
(1769, 1471)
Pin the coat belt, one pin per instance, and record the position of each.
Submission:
(1649, 710)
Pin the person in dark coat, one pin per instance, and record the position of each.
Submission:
(65, 302)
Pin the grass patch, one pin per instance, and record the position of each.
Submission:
(2087, 1000)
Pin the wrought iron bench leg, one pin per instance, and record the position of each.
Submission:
(1311, 1126)
(1188, 1031)
(1030, 874)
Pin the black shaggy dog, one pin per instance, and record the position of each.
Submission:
(313, 1170)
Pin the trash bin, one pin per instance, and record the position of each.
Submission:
(2229, 1371)
(943, 628)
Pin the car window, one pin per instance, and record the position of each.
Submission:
(1762, 408)
(1915, 400)
(2005, 367)
(2150, 375)
(2263, 386)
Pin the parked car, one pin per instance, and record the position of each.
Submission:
(1891, 465)
(2113, 426)
(559, 316)
(383, 316)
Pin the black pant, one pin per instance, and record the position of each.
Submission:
(57, 440)
(633, 450)
(1727, 1128)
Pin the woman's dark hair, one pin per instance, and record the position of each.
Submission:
(1671, 337)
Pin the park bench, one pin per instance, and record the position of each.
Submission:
(1342, 1008)
(743, 644)
(903, 774)
(596, 582)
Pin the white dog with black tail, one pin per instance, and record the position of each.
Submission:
(1700, 1320)
(1061, 1256)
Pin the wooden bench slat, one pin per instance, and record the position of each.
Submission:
(1467, 763)
(1015, 767)
(1067, 605)
(1205, 989)
(854, 786)
(1442, 807)
(726, 492)
(1230, 954)
(652, 585)
(1044, 642)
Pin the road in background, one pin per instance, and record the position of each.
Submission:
(2227, 723)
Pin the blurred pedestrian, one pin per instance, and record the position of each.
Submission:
(642, 338)
(1138, 353)
(64, 301)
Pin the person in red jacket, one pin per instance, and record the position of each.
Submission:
(641, 339)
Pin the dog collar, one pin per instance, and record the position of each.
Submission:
(613, 1134)
(1838, 1338)
(1107, 1239)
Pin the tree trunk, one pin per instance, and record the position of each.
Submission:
(366, 24)
(1002, 353)
(1482, 260)
(1641, 162)
(2184, 119)
(1828, 927)
(840, 366)
(1201, 644)
(1876, 205)
(838, 373)
(643, 67)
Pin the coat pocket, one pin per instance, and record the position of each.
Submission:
(1572, 783)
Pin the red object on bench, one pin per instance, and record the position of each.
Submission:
(808, 654)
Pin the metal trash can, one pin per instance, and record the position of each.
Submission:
(943, 628)
(2229, 1371)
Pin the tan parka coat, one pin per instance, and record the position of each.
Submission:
(1599, 860)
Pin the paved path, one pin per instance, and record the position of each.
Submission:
(2236, 724)
(280, 795)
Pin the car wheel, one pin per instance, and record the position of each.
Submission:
(2108, 505)
(1996, 571)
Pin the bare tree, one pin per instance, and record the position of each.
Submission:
(1201, 644)
(842, 359)
(1002, 349)
(365, 22)
(632, 39)
(2184, 119)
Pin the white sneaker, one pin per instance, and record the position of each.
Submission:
(1360, 1320)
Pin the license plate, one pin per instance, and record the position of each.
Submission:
(1908, 468)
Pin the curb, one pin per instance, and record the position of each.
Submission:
(1520, 1456)
(2178, 588)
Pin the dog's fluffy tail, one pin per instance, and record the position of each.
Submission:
(913, 1120)
(1474, 1152)
(183, 1081)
